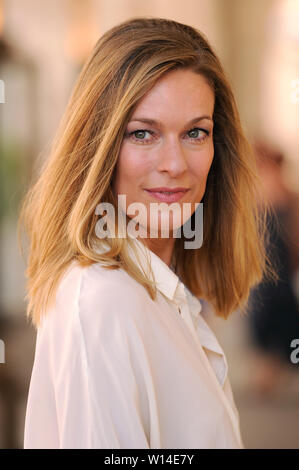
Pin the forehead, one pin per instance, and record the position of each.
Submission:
(177, 94)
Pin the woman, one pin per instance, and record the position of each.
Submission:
(124, 359)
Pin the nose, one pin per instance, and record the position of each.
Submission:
(171, 157)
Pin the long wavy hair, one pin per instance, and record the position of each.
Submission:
(58, 211)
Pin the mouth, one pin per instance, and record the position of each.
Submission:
(167, 196)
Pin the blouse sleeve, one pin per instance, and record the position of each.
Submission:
(97, 396)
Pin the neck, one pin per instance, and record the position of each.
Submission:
(162, 247)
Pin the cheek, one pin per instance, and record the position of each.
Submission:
(131, 166)
(201, 165)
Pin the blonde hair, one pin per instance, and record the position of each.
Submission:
(58, 212)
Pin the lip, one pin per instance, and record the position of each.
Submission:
(178, 193)
(175, 190)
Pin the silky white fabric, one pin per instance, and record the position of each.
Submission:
(114, 369)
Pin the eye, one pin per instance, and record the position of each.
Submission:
(198, 134)
(139, 135)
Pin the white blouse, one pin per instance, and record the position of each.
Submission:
(114, 369)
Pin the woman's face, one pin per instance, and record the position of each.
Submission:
(168, 143)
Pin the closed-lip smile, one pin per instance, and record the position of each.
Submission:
(170, 190)
(164, 194)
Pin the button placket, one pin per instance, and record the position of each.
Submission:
(183, 308)
(198, 332)
(224, 375)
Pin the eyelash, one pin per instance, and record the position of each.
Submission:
(143, 141)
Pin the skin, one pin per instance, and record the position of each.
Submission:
(171, 153)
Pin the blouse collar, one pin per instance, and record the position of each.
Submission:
(166, 280)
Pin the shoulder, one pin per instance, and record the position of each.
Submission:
(88, 331)
(97, 295)
(96, 309)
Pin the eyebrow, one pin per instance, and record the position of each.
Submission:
(157, 122)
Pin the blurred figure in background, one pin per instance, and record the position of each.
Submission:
(273, 318)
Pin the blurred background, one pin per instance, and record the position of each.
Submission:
(43, 46)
